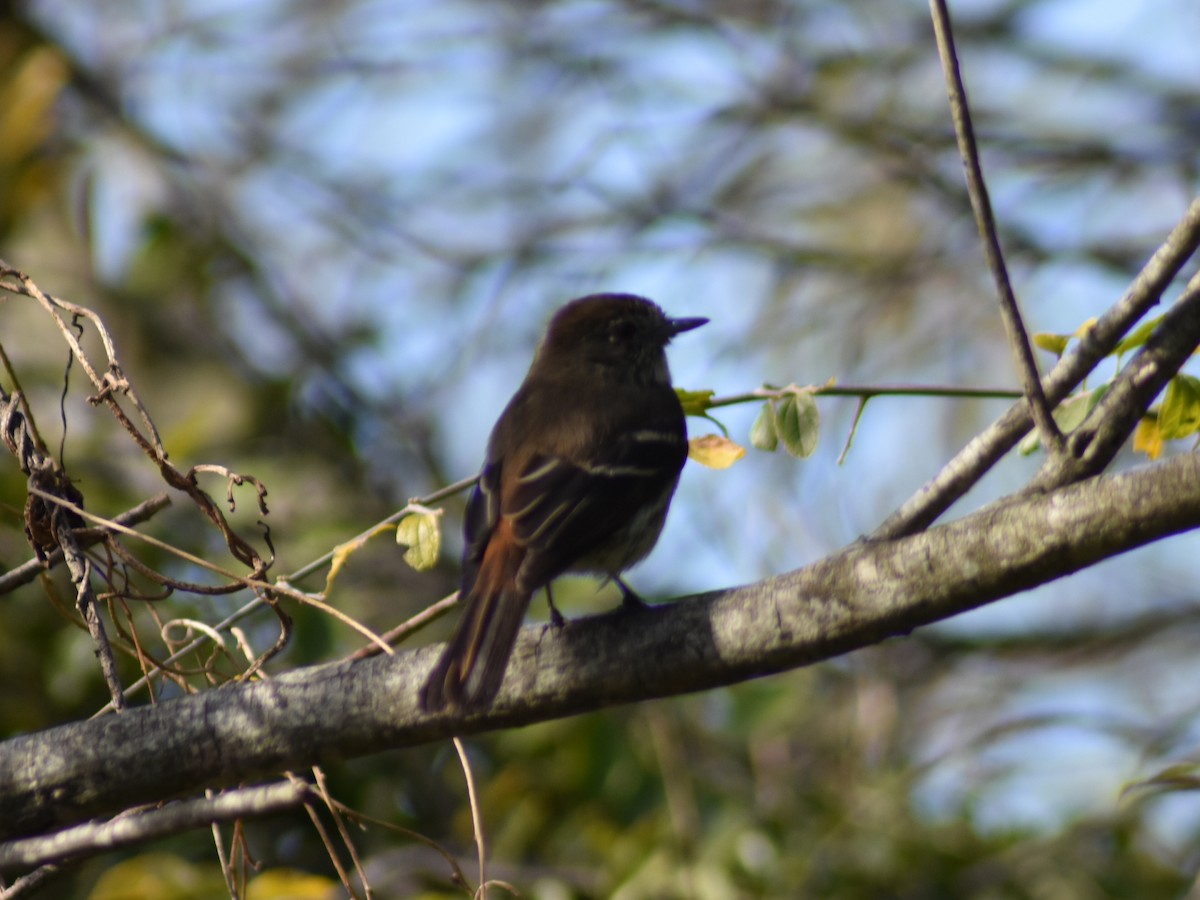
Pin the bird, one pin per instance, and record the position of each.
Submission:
(579, 473)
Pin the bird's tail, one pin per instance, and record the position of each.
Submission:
(471, 668)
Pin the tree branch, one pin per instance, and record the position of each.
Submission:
(962, 472)
(855, 598)
(985, 220)
(1095, 443)
(140, 827)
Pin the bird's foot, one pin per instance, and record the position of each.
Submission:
(556, 618)
(630, 601)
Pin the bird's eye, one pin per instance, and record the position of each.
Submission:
(622, 331)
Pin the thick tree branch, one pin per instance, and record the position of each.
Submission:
(854, 598)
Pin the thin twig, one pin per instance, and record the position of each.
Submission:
(81, 571)
(339, 821)
(476, 817)
(440, 494)
(137, 828)
(407, 627)
(30, 882)
(867, 392)
(242, 581)
(960, 113)
(29, 570)
(456, 872)
(50, 525)
(251, 606)
(323, 834)
(26, 410)
(222, 856)
(858, 411)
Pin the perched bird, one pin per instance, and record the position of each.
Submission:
(580, 470)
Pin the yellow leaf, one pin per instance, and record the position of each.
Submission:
(715, 451)
(1087, 326)
(159, 875)
(1148, 438)
(423, 538)
(278, 884)
(1052, 343)
(27, 100)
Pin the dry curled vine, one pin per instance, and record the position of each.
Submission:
(112, 383)
(110, 576)
(55, 517)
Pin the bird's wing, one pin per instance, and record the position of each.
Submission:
(566, 507)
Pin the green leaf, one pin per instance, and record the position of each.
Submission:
(1069, 415)
(1136, 338)
(763, 433)
(423, 538)
(798, 423)
(1180, 413)
(694, 403)
(1052, 343)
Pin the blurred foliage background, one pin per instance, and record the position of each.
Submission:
(326, 236)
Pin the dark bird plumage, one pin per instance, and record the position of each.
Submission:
(580, 470)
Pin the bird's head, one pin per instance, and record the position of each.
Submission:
(621, 336)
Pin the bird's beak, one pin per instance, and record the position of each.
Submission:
(676, 326)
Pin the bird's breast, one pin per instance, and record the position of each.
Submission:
(631, 543)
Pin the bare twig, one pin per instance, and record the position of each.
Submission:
(268, 589)
(81, 570)
(323, 834)
(25, 408)
(456, 871)
(234, 479)
(340, 821)
(237, 581)
(140, 827)
(867, 392)
(29, 883)
(476, 817)
(858, 411)
(441, 494)
(222, 856)
(404, 629)
(960, 113)
(193, 645)
(391, 637)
